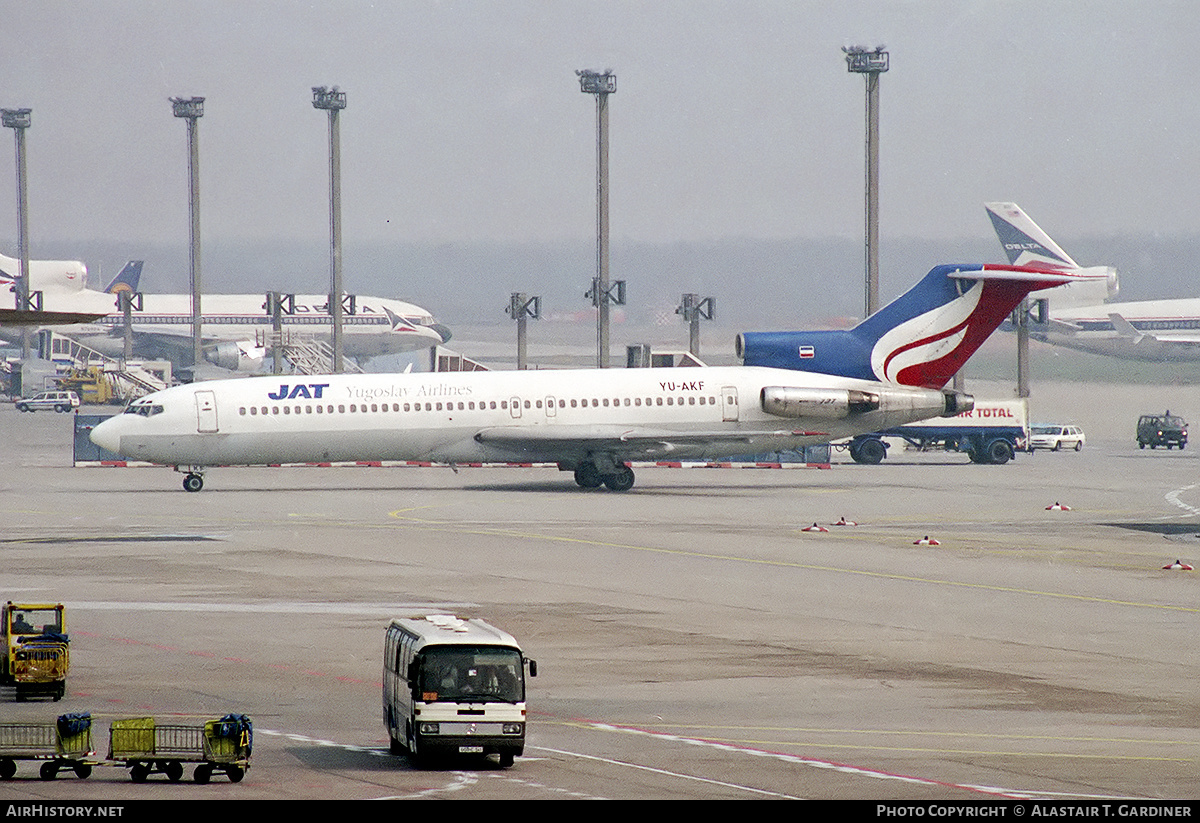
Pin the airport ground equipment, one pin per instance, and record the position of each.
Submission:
(36, 655)
(453, 686)
(63, 744)
(147, 747)
(992, 432)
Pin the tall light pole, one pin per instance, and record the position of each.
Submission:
(193, 109)
(871, 64)
(18, 120)
(601, 84)
(694, 309)
(520, 308)
(333, 101)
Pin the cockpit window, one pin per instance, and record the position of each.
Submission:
(144, 409)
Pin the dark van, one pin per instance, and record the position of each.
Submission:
(1161, 430)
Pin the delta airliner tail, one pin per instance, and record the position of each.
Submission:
(1027, 245)
(921, 338)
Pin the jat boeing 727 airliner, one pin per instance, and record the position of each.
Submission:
(887, 371)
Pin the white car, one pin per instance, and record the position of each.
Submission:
(60, 401)
(1056, 437)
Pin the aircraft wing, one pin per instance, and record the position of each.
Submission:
(1063, 327)
(1124, 327)
(1166, 340)
(13, 317)
(629, 442)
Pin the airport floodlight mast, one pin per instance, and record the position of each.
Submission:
(193, 109)
(520, 308)
(18, 120)
(694, 309)
(860, 60)
(333, 101)
(601, 84)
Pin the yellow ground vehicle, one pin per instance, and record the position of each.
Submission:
(35, 658)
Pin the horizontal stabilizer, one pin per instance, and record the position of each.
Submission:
(921, 338)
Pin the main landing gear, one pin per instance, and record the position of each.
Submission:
(193, 480)
(617, 476)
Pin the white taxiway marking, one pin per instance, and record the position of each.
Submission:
(1173, 497)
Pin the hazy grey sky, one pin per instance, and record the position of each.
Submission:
(732, 119)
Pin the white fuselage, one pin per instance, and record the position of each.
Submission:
(242, 317)
(1166, 330)
(462, 417)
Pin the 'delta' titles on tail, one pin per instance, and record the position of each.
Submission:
(921, 338)
(127, 279)
(1024, 241)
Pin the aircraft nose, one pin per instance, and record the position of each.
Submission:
(443, 332)
(107, 435)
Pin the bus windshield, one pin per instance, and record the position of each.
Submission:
(472, 674)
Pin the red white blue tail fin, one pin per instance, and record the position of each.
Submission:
(921, 338)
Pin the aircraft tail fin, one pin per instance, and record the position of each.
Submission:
(1024, 241)
(921, 338)
(1026, 244)
(127, 279)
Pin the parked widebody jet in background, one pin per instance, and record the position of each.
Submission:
(1155, 330)
(887, 371)
(236, 327)
(66, 298)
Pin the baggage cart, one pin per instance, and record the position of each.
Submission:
(147, 747)
(63, 744)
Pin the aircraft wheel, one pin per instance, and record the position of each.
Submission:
(587, 477)
(193, 483)
(622, 481)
